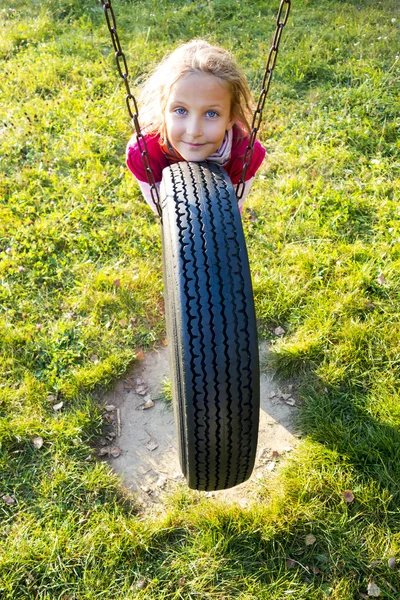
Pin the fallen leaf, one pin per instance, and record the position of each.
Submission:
(58, 406)
(290, 402)
(348, 496)
(165, 342)
(151, 446)
(115, 451)
(182, 581)
(38, 442)
(381, 279)
(141, 390)
(316, 571)
(104, 451)
(373, 590)
(279, 331)
(109, 407)
(141, 584)
(148, 404)
(392, 563)
(122, 323)
(94, 358)
(133, 320)
(310, 539)
(117, 282)
(140, 355)
(9, 500)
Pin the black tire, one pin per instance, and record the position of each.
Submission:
(211, 326)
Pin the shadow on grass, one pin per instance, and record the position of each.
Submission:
(341, 421)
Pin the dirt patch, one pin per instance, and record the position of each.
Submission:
(142, 438)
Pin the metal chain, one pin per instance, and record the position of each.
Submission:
(257, 117)
(131, 101)
(134, 111)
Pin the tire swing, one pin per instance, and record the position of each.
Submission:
(210, 316)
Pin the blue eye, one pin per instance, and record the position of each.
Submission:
(180, 111)
(212, 114)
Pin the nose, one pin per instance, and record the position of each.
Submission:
(194, 127)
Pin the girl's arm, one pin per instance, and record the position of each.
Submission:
(145, 187)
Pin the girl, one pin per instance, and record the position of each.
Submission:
(195, 107)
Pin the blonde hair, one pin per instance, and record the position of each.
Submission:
(194, 57)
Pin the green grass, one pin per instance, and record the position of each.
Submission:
(81, 296)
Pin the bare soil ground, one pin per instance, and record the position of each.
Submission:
(140, 440)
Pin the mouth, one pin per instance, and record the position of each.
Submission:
(193, 146)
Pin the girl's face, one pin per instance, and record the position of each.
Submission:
(197, 115)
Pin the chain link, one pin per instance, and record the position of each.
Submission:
(257, 117)
(131, 101)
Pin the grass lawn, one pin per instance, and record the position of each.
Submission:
(81, 296)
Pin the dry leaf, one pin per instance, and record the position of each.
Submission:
(140, 355)
(38, 442)
(316, 571)
(148, 404)
(117, 282)
(94, 358)
(109, 407)
(58, 406)
(115, 451)
(310, 539)
(381, 279)
(151, 446)
(348, 496)
(373, 590)
(122, 323)
(141, 584)
(104, 451)
(181, 581)
(291, 402)
(141, 390)
(165, 342)
(392, 562)
(9, 500)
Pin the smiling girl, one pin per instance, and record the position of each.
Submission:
(195, 107)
